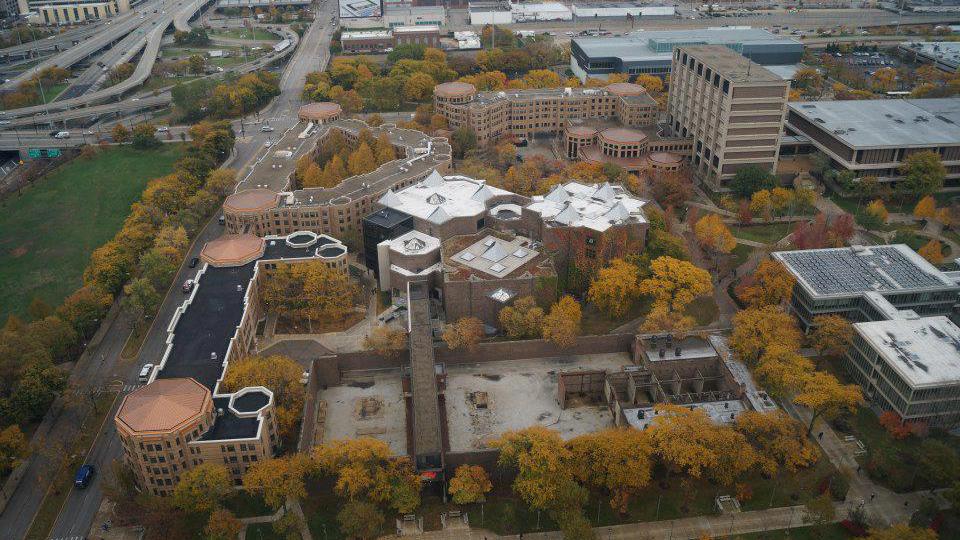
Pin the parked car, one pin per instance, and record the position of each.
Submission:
(194, 261)
(62, 135)
(188, 286)
(266, 128)
(162, 129)
(145, 373)
(222, 220)
(84, 476)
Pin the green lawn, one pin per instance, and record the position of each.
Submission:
(740, 254)
(51, 92)
(770, 233)
(320, 508)
(258, 34)
(48, 233)
(243, 504)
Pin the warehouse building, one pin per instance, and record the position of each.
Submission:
(621, 9)
(651, 52)
(944, 55)
(873, 137)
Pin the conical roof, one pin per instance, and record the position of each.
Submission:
(438, 216)
(619, 212)
(433, 180)
(390, 199)
(604, 192)
(164, 404)
(557, 194)
(567, 216)
(483, 194)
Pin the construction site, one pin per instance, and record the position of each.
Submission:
(445, 407)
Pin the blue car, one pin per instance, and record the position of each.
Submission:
(84, 476)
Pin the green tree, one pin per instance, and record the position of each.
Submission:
(751, 179)
(144, 136)
(463, 141)
(360, 519)
(38, 309)
(55, 335)
(141, 298)
(923, 173)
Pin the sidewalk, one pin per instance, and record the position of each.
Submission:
(680, 529)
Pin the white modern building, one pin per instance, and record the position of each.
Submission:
(621, 9)
(56, 12)
(909, 365)
(483, 13)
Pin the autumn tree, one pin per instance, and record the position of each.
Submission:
(674, 284)
(714, 237)
(826, 397)
(779, 441)
(688, 441)
(312, 291)
(465, 333)
(385, 341)
(761, 204)
(469, 484)
(279, 374)
(366, 470)
(13, 448)
(755, 329)
(542, 463)
(361, 160)
(932, 252)
(277, 479)
(618, 461)
(926, 208)
(120, 134)
(223, 525)
(141, 298)
(384, 149)
(771, 284)
(820, 509)
(562, 324)
(615, 288)
(831, 335)
(782, 369)
(201, 488)
(523, 319)
(876, 214)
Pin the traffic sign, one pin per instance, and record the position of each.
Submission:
(53, 152)
(34, 153)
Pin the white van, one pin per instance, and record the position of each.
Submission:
(145, 373)
(62, 135)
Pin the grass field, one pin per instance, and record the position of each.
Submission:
(770, 233)
(48, 233)
(243, 33)
(159, 82)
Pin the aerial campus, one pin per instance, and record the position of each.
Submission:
(471, 270)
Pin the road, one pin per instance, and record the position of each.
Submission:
(78, 512)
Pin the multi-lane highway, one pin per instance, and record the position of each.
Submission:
(77, 514)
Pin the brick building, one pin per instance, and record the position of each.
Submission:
(182, 417)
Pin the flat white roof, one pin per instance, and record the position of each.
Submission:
(924, 351)
(438, 199)
(366, 34)
(416, 28)
(495, 256)
(595, 206)
(414, 242)
(721, 412)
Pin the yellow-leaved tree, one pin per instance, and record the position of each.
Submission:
(615, 288)
(932, 251)
(279, 374)
(771, 284)
(778, 439)
(754, 329)
(714, 237)
(618, 461)
(386, 341)
(902, 532)
(278, 479)
(562, 324)
(926, 208)
(365, 469)
(470, 484)
(465, 333)
(523, 319)
(673, 283)
(542, 463)
(826, 397)
(831, 335)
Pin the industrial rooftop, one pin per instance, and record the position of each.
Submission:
(854, 270)
(659, 44)
(879, 123)
(924, 351)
